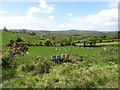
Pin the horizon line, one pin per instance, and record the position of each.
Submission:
(64, 30)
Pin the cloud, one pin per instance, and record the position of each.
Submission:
(51, 17)
(26, 22)
(113, 4)
(104, 20)
(75, 19)
(43, 8)
(2, 12)
(70, 14)
(33, 10)
(67, 26)
(29, 21)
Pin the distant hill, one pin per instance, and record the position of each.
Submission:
(68, 32)
(73, 32)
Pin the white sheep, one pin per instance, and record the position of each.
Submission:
(104, 49)
(57, 49)
(27, 52)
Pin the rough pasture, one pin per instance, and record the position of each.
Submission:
(95, 67)
(98, 69)
(50, 51)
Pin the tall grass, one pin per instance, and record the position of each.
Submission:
(98, 69)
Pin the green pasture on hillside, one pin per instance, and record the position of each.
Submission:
(93, 67)
(47, 52)
(109, 43)
(99, 69)
(7, 36)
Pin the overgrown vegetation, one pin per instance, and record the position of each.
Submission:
(88, 66)
(88, 71)
(17, 48)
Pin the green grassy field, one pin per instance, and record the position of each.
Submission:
(47, 52)
(50, 51)
(90, 67)
(109, 43)
(99, 69)
(7, 36)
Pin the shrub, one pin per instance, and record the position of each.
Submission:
(19, 40)
(36, 44)
(48, 43)
(37, 66)
(91, 41)
(78, 41)
(10, 43)
(18, 48)
(73, 44)
(100, 41)
(8, 74)
(6, 62)
(40, 43)
(5, 29)
(32, 33)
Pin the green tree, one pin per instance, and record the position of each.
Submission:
(5, 29)
(73, 44)
(65, 42)
(48, 43)
(54, 43)
(40, 43)
(24, 31)
(32, 33)
(70, 38)
(53, 37)
(92, 41)
(84, 43)
(19, 40)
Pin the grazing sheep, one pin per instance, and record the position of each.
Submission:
(104, 49)
(27, 52)
(57, 49)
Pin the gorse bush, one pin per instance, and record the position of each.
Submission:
(18, 48)
(10, 43)
(9, 58)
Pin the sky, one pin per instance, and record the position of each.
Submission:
(42, 15)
